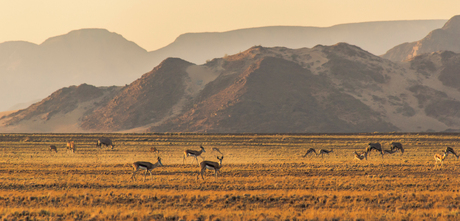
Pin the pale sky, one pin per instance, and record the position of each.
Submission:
(153, 24)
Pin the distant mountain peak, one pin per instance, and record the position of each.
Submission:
(87, 32)
(445, 38)
(346, 49)
(453, 24)
(173, 61)
(79, 34)
(88, 39)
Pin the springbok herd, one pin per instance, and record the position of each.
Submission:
(395, 147)
(211, 165)
(147, 166)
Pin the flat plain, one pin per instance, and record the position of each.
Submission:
(263, 177)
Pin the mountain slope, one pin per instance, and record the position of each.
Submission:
(93, 56)
(445, 38)
(144, 101)
(353, 91)
(440, 70)
(30, 72)
(277, 96)
(337, 88)
(61, 111)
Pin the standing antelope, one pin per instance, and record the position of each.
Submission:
(147, 166)
(71, 146)
(105, 141)
(212, 166)
(53, 148)
(322, 151)
(361, 156)
(311, 150)
(452, 151)
(439, 158)
(397, 146)
(375, 146)
(193, 153)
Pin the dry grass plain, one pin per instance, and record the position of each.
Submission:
(263, 177)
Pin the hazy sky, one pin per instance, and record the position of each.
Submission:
(153, 24)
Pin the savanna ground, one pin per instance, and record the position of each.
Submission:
(263, 177)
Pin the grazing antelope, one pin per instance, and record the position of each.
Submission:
(193, 153)
(105, 141)
(154, 149)
(390, 151)
(439, 158)
(311, 150)
(361, 156)
(53, 148)
(71, 146)
(375, 146)
(217, 150)
(397, 146)
(212, 166)
(452, 151)
(322, 151)
(147, 166)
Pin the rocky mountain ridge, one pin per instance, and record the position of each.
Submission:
(30, 72)
(338, 88)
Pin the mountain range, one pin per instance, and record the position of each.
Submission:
(31, 72)
(335, 88)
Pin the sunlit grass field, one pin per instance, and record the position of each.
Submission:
(264, 177)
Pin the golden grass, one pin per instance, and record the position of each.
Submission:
(264, 178)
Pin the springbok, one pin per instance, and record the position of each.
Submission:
(53, 148)
(361, 156)
(397, 146)
(105, 141)
(439, 158)
(217, 150)
(452, 151)
(375, 146)
(390, 151)
(212, 166)
(71, 146)
(193, 153)
(322, 151)
(311, 150)
(147, 166)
